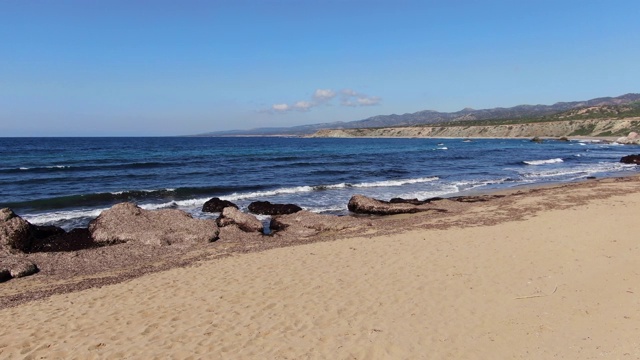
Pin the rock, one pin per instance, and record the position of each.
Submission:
(633, 136)
(563, 138)
(16, 266)
(216, 205)
(360, 204)
(74, 240)
(305, 223)
(537, 140)
(233, 216)
(15, 232)
(23, 268)
(45, 231)
(126, 222)
(631, 159)
(267, 208)
(409, 201)
(5, 275)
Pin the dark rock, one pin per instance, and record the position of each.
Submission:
(409, 201)
(5, 275)
(45, 231)
(360, 204)
(216, 205)
(267, 208)
(631, 159)
(126, 222)
(564, 138)
(15, 232)
(233, 216)
(74, 240)
(537, 140)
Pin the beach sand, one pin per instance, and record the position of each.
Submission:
(552, 273)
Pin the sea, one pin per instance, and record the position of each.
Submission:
(68, 181)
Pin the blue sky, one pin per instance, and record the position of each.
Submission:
(127, 68)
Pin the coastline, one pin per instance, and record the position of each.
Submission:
(540, 271)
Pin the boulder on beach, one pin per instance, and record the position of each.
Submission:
(361, 204)
(216, 205)
(126, 222)
(15, 266)
(631, 159)
(15, 232)
(267, 208)
(537, 140)
(233, 216)
(305, 223)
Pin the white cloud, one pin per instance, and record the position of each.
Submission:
(348, 97)
(280, 107)
(303, 105)
(324, 95)
(353, 98)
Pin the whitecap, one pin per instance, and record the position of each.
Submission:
(543, 162)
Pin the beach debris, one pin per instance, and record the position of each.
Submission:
(15, 232)
(631, 159)
(267, 208)
(216, 205)
(126, 222)
(233, 216)
(361, 204)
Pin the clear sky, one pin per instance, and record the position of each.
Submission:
(110, 68)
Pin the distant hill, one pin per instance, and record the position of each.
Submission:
(574, 109)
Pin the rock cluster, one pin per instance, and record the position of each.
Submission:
(127, 222)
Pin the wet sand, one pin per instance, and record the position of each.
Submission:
(539, 273)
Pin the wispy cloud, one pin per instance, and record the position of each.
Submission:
(348, 97)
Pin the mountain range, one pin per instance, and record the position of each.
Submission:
(427, 117)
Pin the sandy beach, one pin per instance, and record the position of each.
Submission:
(538, 274)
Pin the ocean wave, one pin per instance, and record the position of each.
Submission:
(580, 171)
(55, 217)
(543, 162)
(386, 183)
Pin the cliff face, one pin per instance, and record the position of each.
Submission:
(591, 127)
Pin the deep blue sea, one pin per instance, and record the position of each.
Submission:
(69, 181)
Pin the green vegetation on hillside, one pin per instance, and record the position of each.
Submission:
(593, 112)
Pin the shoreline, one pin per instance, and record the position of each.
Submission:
(541, 272)
(64, 272)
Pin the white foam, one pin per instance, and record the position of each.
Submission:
(395, 182)
(257, 194)
(39, 219)
(443, 148)
(24, 168)
(543, 162)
